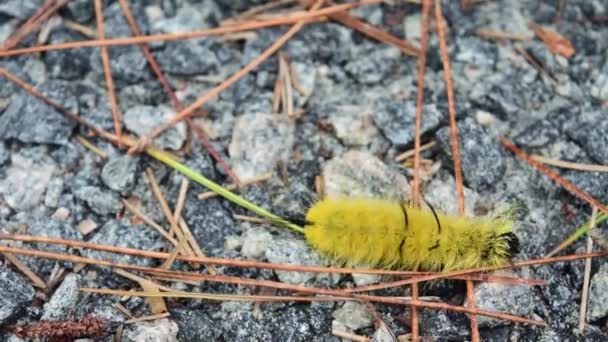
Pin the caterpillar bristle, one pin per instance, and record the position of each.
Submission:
(387, 234)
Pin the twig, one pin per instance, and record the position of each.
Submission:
(573, 189)
(253, 264)
(124, 310)
(424, 28)
(86, 143)
(376, 33)
(284, 20)
(535, 64)
(586, 277)
(147, 220)
(471, 304)
(414, 319)
(194, 244)
(23, 268)
(74, 26)
(335, 296)
(445, 275)
(148, 318)
(349, 335)
(410, 153)
(157, 305)
(160, 198)
(107, 71)
(570, 165)
(447, 75)
(488, 33)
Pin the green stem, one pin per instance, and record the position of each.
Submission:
(218, 189)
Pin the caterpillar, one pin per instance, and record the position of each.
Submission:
(381, 233)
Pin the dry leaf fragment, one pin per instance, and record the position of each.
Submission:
(557, 43)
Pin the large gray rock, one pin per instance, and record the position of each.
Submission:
(259, 141)
(27, 178)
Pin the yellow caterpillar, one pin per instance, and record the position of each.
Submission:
(392, 235)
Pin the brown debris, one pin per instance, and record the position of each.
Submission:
(87, 327)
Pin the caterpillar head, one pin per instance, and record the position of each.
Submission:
(501, 249)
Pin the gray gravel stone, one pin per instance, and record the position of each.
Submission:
(16, 294)
(354, 315)
(27, 178)
(30, 120)
(117, 233)
(163, 330)
(255, 242)
(5, 154)
(482, 162)
(444, 325)
(103, 202)
(53, 192)
(296, 252)
(143, 119)
(21, 9)
(353, 125)
(397, 119)
(188, 17)
(588, 129)
(195, 325)
(80, 10)
(593, 183)
(360, 174)
(373, 63)
(244, 327)
(598, 295)
(189, 58)
(258, 142)
(119, 173)
(514, 299)
(65, 299)
(68, 64)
